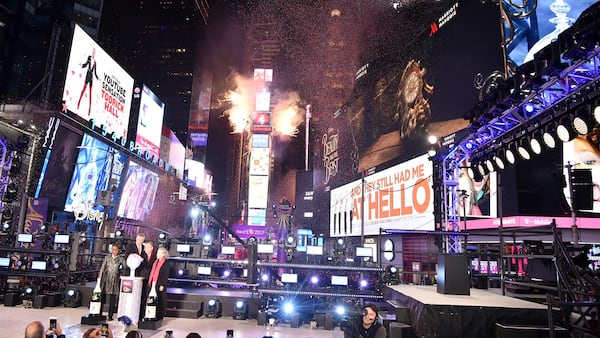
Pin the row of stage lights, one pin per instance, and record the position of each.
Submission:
(565, 129)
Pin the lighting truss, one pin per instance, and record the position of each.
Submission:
(560, 93)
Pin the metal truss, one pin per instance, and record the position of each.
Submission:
(530, 107)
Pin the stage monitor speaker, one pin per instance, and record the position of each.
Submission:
(295, 321)
(328, 322)
(12, 299)
(401, 330)
(583, 189)
(261, 317)
(40, 301)
(453, 274)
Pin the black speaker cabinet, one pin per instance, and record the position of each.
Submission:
(40, 301)
(12, 299)
(261, 317)
(295, 320)
(453, 274)
(54, 299)
(328, 322)
(401, 330)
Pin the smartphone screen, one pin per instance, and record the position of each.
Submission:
(104, 330)
(52, 323)
(169, 334)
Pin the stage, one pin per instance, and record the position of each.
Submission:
(433, 314)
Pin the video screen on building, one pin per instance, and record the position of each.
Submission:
(139, 191)
(96, 162)
(150, 122)
(59, 162)
(400, 197)
(96, 87)
(531, 25)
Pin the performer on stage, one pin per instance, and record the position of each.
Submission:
(160, 274)
(110, 281)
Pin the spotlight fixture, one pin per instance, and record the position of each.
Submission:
(482, 169)
(535, 143)
(474, 174)
(582, 120)
(163, 240)
(548, 136)
(214, 309)
(314, 280)
(498, 161)
(392, 275)
(290, 241)
(509, 154)
(289, 308)
(564, 129)
(340, 244)
(206, 239)
(522, 150)
(489, 165)
(596, 111)
(119, 233)
(72, 298)
(265, 277)
(240, 310)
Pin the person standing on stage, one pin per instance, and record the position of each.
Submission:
(137, 248)
(160, 274)
(144, 271)
(110, 280)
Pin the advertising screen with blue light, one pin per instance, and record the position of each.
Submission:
(139, 192)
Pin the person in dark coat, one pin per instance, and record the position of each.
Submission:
(136, 247)
(110, 279)
(160, 274)
(144, 271)
(369, 326)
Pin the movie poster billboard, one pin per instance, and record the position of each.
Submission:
(150, 122)
(400, 197)
(96, 87)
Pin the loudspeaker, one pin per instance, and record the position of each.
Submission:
(583, 189)
(295, 320)
(54, 299)
(328, 322)
(401, 330)
(261, 317)
(12, 299)
(453, 275)
(40, 301)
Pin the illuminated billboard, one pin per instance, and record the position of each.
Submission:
(259, 161)
(258, 191)
(95, 164)
(172, 151)
(399, 197)
(139, 191)
(532, 25)
(150, 122)
(96, 87)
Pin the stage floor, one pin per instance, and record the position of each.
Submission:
(427, 294)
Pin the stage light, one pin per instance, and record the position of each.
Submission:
(489, 165)
(548, 136)
(290, 241)
(314, 280)
(182, 272)
(509, 154)
(596, 111)
(288, 308)
(363, 283)
(392, 275)
(214, 309)
(195, 212)
(522, 149)
(72, 298)
(535, 143)
(28, 293)
(163, 240)
(340, 244)
(226, 273)
(432, 139)
(206, 239)
(564, 129)
(582, 120)
(162, 236)
(5, 225)
(432, 151)
(240, 310)
(474, 174)
(340, 310)
(498, 160)
(482, 169)
(119, 233)
(265, 277)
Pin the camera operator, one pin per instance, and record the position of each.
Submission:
(367, 326)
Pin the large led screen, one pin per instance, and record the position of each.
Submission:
(150, 121)
(61, 155)
(96, 162)
(532, 25)
(139, 191)
(583, 153)
(399, 197)
(96, 87)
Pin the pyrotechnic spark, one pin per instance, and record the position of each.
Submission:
(241, 99)
(287, 114)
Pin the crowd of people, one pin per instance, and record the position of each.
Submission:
(36, 329)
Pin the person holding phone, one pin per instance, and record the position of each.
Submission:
(36, 329)
(103, 331)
